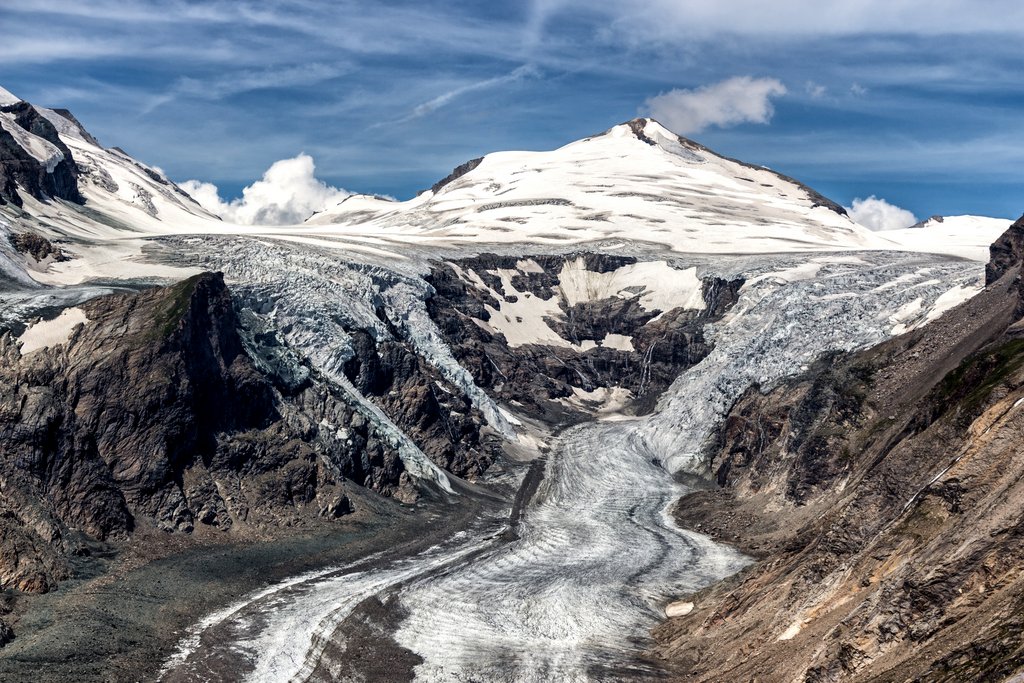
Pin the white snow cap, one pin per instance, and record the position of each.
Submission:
(7, 97)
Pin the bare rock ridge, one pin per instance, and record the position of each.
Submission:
(883, 491)
(1006, 253)
(458, 172)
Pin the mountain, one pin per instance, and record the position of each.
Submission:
(636, 181)
(882, 487)
(448, 437)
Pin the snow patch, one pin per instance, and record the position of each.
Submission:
(619, 342)
(47, 333)
(7, 97)
(793, 631)
(679, 608)
(657, 285)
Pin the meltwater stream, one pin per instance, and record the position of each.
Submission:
(596, 556)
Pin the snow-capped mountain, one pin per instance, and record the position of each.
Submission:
(636, 182)
(502, 381)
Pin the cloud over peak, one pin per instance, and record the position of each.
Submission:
(877, 214)
(741, 99)
(288, 193)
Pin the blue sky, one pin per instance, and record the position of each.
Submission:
(916, 102)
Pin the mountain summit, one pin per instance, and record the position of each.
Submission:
(636, 181)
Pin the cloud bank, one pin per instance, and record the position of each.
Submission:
(877, 214)
(741, 99)
(288, 193)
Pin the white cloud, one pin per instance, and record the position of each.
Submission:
(741, 99)
(877, 214)
(288, 194)
(246, 81)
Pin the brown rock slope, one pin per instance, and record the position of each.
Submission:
(883, 491)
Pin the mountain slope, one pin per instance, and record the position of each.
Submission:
(635, 181)
(883, 490)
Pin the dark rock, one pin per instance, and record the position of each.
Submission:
(536, 376)
(19, 168)
(460, 170)
(36, 246)
(153, 411)
(888, 484)
(1006, 253)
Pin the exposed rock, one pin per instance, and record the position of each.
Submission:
(18, 168)
(546, 379)
(883, 490)
(36, 246)
(458, 172)
(153, 412)
(1006, 252)
(440, 419)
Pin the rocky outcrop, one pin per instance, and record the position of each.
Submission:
(19, 169)
(550, 378)
(153, 412)
(438, 417)
(1006, 252)
(36, 246)
(883, 491)
(457, 172)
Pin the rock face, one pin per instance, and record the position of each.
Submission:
(883, 488)
(54, 177)
(152, 412)
(1006, 253)
(568, 352)
(440, 419)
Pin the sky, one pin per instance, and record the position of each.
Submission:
(909, 107)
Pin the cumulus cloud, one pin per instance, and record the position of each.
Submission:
(288, 193)
(741, 99)
(877, 214)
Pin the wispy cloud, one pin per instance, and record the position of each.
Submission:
(423, 109)
(891, 85)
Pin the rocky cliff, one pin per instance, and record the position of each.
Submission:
(165, 408)
(883, 491)
(53, 175)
